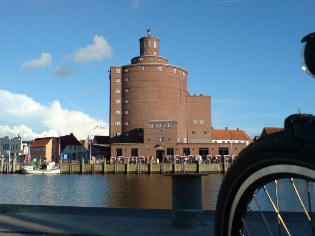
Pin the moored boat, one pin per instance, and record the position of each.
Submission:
(44, 168)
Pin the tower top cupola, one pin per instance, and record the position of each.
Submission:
(149, 45)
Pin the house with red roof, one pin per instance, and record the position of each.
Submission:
(230, 142)
(71, 149)
(44, 149)
(270, 130)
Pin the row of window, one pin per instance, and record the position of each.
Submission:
(141, 59)
(10, 147)
(228, 141)
(127, 90)
(143, 68)
(170, 151)
(38, 149)
(118, 112)
(204, 132)
(199, 122)
(75, 147)
(160, 125)
(149, 44)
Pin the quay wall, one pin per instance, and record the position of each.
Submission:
(147, 168)
(121, 168)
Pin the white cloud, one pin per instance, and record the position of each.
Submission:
(97, 51)
(62, 71)
(43, 61)
(23, 116)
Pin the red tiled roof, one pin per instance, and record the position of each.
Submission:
(40, 142)
(226, 134)
(270, 130)
(69, 140)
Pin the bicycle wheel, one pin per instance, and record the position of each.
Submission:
(257, 188)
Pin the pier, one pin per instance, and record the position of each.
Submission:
(126, 168)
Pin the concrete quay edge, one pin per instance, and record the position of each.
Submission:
(17, 220)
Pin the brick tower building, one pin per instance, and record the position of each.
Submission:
(151, 112)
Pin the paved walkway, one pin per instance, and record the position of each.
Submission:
(16, 220)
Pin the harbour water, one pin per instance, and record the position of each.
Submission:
(111, 190)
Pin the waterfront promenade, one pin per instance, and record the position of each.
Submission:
(18, 220)
(57, 220)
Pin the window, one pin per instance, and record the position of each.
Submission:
(154, 44)
(223, 151)
(127, 101)
(127, 134)
(202, 122)
(195, 122)
(134, 152)
(141, 59)
(160, 139)
(126, 79)
(118, 151)
(127, 90)
(117, 101)
(174, 70)
(126, 112)
(126, 70)
(168, 125)
(117, 112)
(170, 151)
(117, 80)
(126, 122)
(159, 125)
(193, 132)
(117, 90)
(159, 68)
(142, 68)
(204, 152)
(186, 151)
(184, 73)
(117, 134)
(117, 71)
(205, 132)
(117, 123)
(151, 125)
(150, 43)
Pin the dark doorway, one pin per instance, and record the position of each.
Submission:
(223, 151)
(160, 155)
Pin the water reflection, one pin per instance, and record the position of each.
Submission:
(117, 191)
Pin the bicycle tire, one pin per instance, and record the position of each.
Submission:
(274, 156)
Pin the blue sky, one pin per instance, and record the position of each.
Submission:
(245, 54)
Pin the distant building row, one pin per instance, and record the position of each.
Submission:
(66, 148)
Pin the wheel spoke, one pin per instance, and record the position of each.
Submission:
(300, 199)
(310, 206)
(262, 215)
(277, 204)
(276, 210)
